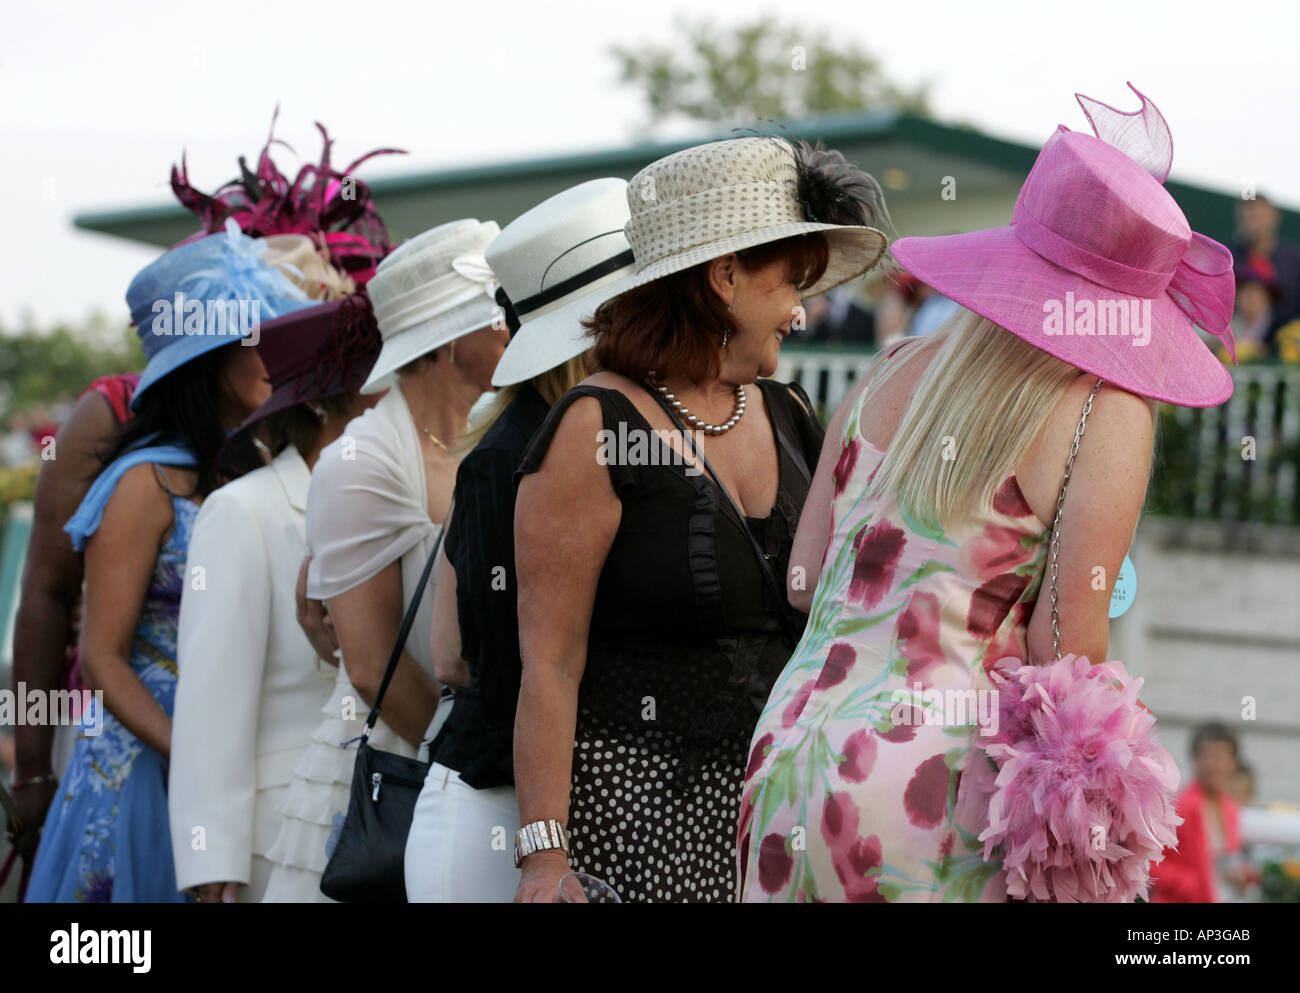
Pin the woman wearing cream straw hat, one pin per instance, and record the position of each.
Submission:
(649, 616)
(557, 262)
(378, 497)
(928, 524)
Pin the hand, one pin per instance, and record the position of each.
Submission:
(540, 877)
(32, 803)
(315, 620)
(216, 893)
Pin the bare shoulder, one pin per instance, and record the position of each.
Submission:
(1117, 419)
(139, 504)
(91, 424)
(576, 437)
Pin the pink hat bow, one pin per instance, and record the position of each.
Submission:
(1201, 284)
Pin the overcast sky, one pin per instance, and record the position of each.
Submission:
(100, 99)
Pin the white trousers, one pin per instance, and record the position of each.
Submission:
(461, 848)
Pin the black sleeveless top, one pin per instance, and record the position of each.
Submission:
(682, 613)
(684, 647)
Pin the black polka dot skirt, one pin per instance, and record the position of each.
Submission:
(654, 825)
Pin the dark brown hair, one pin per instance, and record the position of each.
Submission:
(299, 425)
(676, 323)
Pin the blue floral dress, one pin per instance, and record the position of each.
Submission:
(107, 839)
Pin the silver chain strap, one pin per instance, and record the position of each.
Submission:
(1060, 507)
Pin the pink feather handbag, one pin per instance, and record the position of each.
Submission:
(1083, 798)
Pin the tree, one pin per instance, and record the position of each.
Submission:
(760, 70)
(43, 367)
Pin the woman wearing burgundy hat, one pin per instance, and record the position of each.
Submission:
(253, 686)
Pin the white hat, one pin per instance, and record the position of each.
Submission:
(432, 289)
(557, 263)
(703, 202)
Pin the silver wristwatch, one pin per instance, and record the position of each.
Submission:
(540, 836)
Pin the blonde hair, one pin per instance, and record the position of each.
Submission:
(971, 420)
(551, 384)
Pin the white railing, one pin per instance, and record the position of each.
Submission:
(1217, 476)
(826, 373)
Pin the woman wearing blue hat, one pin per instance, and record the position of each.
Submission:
(107, 837)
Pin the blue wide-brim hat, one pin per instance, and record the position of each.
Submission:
(204, 295)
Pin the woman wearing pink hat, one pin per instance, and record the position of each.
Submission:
(926, 531)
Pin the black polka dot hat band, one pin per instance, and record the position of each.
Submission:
(703, 202)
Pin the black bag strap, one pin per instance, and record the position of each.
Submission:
(407, 620)
(796, 453)
(783, 609)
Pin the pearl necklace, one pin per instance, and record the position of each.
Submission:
(698, 424)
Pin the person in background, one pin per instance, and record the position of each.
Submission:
(1254, 321)
(895, 303)
(932, 310)
(250, 692)
(1206, 867)
(379, 496)
(845, 320)
(649, 622)
(573, 241)
(45, 631)
(1276, 259)
(107, 838)
(1241, 785)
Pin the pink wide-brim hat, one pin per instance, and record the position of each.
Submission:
(1095, 231)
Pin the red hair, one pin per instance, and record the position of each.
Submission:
(674, 326)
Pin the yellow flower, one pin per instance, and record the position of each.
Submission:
(1288, 342)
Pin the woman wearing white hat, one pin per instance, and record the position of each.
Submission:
(377, 499)
(651, 620)
(556, 263)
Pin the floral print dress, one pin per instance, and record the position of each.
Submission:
(863, 782)
(107, 838)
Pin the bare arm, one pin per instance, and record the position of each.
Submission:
(51, 586)
(448, 665)
(120, 561)
(566, 517)
(814, 532)
(367, 620)
(1102, 507)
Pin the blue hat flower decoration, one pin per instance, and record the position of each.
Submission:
(203, 295)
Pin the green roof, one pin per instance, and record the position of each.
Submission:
(918, 151)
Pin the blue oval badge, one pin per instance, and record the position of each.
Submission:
(1126, 587)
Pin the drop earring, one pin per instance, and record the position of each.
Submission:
(726, 332)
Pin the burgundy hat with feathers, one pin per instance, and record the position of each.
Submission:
(330, 206)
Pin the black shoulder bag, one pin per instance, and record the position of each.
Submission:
(367, 865)
(764, 566)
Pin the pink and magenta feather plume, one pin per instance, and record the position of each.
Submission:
(329, 205)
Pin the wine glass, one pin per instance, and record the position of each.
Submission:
(580, 887)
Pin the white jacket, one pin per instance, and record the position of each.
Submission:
(249, 693)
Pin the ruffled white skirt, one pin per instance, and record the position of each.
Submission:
(318, 794)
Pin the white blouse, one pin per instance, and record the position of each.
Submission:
(368, 507)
